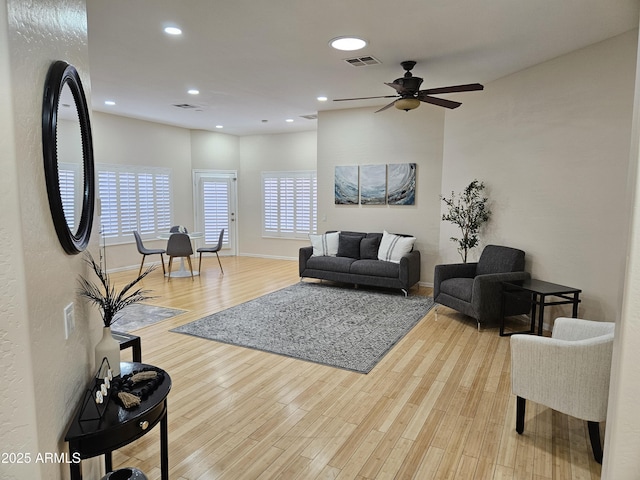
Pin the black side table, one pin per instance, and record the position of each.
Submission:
(127, 340)
(119, 427)
(538, 291)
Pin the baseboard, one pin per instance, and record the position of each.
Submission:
(272, 257)
(135, 267)
(130, 267)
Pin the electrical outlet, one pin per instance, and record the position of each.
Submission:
(69, 321)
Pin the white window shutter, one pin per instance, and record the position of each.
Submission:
(134, 198)
(289, 204)
(216, 208)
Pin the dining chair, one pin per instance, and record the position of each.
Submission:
(179, 245)
(215, 250)
(144, 251)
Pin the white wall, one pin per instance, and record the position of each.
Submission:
(552, 145)
(122, 140)
(622, 441)
(214, 151)
(258, 153)
(126, 141)
(362, 137)
(42, 375)
(17, 399)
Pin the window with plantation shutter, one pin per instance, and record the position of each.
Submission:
(70, 194)
(289, 204)
(133, 198)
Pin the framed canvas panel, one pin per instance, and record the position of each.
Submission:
(346, 185)
(401, 184)
(373, 184)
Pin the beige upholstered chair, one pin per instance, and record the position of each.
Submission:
(568, 372)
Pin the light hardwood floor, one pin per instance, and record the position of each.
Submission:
(438, 406)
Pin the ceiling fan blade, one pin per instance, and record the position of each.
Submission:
(398, 88)
(441, 102)
(386, 106)
(469, 87)
(362, 98)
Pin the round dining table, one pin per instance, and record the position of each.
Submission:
(182, 272)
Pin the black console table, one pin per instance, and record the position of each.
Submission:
(538, 292)
(119, 427)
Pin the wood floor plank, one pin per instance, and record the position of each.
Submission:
(438, 405)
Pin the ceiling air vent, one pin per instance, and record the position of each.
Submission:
(310, 117)
(363, 61)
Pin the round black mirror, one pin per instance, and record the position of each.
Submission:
(68, 157)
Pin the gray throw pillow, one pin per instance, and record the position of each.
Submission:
(349, 246)
(369, 248)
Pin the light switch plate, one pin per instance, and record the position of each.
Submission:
(69, 320)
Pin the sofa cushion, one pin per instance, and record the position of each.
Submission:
(458, 288)
(375, 268)
(325, 245)
(369, 247)
(349, 246)
(393, 247)
(332, 264)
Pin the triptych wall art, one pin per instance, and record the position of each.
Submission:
(393, 184)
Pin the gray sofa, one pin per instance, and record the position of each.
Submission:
(358, 263)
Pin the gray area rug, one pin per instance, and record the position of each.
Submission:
(141, 315)
(340, 327)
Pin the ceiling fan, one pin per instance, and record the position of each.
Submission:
(409, 96)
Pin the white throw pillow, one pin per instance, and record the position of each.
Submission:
(325, 245)
(393, 247)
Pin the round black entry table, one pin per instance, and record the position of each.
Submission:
(119, 427)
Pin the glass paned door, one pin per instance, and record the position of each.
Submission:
(215, 208)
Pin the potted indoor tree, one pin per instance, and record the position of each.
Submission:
(469, 212)
(110, 301)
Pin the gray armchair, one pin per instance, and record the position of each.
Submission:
(475, 288)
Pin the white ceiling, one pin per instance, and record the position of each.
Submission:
(256, 60)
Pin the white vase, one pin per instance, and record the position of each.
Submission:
(108, 347)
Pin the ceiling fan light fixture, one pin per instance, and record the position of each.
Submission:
(407, 104)
(348, 43)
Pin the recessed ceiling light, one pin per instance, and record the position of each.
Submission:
(347, 43)
(172, 31)
(219, 126)
(322, 99)
(193, 91)
(289, 120)
(109, 102)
